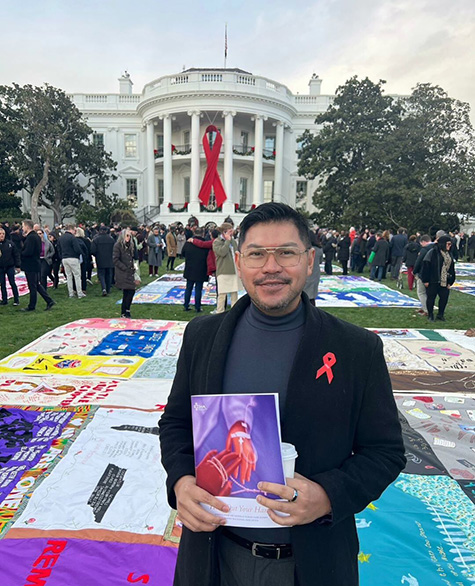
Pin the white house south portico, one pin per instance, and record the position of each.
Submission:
(156, 137)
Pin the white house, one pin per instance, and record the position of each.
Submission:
(156, 139)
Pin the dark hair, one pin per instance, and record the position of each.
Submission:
(412, 237)
(215, 233)
(426, 238)
(272, 212)
(199, 231)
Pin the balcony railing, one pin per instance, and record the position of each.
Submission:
(238, 149)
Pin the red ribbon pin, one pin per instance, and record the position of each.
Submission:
(329, 360)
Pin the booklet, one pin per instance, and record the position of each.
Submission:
(237, 444)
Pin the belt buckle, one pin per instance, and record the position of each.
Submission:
(255, 545)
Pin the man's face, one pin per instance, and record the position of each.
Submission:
(275, 290)
(2, 235)
(25, 228)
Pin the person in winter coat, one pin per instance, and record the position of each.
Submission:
(85, 258)
(329, 249)
(411, 251)
(123, 255)
(46, 257)
(56, 261)
(172, 248)
(196, 268)
(313, 280)
(155, 251)
(397, 244)
(9, 263)
(224, 248)
(380, 258)
(343, 251)
(102, 247)
(438, 275)
(181, 239)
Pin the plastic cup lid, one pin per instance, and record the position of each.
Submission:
(288, 451)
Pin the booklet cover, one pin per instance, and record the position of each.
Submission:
(237, 444)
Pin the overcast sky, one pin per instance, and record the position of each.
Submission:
(84, 45)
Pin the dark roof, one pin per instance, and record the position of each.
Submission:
(236, 70)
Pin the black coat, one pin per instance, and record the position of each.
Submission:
(411, 252)
(69, 246)
(432, 267)
(343, 248)
(101, 248)
(30, 254)
(196, 268)
(381, 253)
(123, 258)
(9, 255)
(347, 436)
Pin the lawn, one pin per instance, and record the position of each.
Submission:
(19, 329)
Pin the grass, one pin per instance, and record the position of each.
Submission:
(19, 329)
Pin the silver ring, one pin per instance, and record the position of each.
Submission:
(295, 496)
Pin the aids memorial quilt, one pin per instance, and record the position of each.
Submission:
(356, 291)
(22, 285)
(465, 269)
(82, 489)
(465, 287)
(170, 290)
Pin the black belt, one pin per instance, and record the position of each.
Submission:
(270, 551)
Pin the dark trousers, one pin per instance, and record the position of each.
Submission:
(45, 269)
(127, 296)
(54, 272)
(105, 278)
(35, 287)
(10, 273)
(328, 266)
(433, 290)
(344, 266)
(171, 262)
(198, 285)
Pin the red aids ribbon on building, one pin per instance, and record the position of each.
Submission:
(329, 360)
(211, 178)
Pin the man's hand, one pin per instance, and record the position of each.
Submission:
(190, 512)
(312, 501)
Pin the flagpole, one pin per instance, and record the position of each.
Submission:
(225, 44)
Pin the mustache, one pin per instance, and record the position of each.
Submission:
(271, 279)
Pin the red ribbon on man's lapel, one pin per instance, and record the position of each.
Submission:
(211, 178)
(329, 360)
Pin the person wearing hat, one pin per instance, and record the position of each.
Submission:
(438, 275)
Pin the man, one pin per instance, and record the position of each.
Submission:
(102, 247)
(30, 264)
(342, 420)
(381, 255)
(471, 247)
(70, 250)
(196, 270)
(9, 264)
(397, 245)
(426, 245)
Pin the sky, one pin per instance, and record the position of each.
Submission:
(83, 46)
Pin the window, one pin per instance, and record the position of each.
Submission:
(159, 145)
(269, 146)
(243, 192)
(186, 139)
(186, 188)
(131, 190)
(268, 191)
(98, 139)
(301, 191)
(161, 196)
(130, 144)
(244, 139)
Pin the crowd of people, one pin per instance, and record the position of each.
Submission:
(116, 254)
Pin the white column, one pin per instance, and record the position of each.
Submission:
(228, 207)
(279, 161)
(167, 161)
(257, 195)
(150, 199)
(194, 207)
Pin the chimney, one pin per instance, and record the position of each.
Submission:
(125, 84)
(314, 85)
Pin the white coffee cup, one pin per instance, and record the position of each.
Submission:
(289, 455)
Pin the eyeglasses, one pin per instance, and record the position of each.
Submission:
(285, 256)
